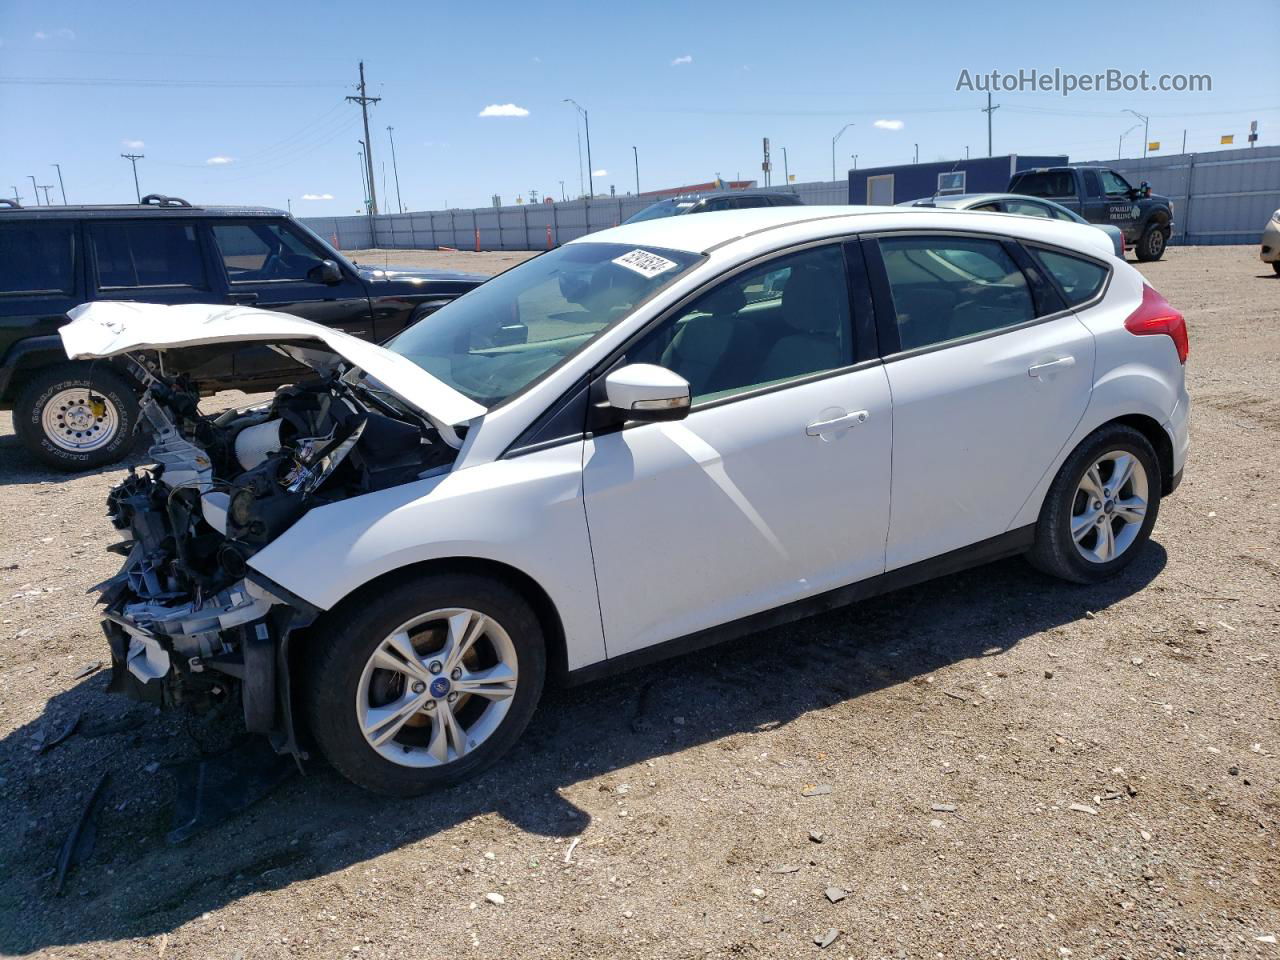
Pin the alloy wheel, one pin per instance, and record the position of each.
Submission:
(79, 420)
(1109, 507)
(437, 687)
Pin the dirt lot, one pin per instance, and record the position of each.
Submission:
(664, 814)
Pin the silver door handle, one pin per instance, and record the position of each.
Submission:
(819, 427)
(1060, 364)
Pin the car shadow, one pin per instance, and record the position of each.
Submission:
(135, 884)
(19, 466)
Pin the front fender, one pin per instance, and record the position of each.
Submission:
(524, 512)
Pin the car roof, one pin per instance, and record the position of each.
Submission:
(109, 210)
(708, 232)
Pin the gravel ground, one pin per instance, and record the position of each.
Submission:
(1004, 765)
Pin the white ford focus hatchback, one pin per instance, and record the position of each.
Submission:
(648, 440)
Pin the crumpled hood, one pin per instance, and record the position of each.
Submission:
(107, 328)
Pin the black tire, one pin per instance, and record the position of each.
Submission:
(1151, 245)
(1275, 265)
(1055, 551)
(103, 383)
(344, 645)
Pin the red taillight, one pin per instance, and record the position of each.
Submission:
(1155, 315)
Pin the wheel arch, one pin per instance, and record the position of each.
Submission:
(1159, 439)
(548, 616)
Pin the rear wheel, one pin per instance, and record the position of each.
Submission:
(1151, 244)
(427, 684)
(1101, 507)
(1275, 265)
(77, 416)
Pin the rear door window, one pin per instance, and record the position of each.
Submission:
(1079, 279)
(947, 288)
(159, 253)
(37, 258)
(1026, 208)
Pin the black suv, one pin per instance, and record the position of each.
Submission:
(713, 202)
(164, 250)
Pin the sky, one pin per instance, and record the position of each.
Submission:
(239, 102)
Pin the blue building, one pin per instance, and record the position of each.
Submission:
(884, 186)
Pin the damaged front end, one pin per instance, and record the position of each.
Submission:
(189, 622)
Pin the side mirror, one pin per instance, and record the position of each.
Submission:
(326, 271)
(648, 393)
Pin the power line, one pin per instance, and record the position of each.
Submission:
(364, 102)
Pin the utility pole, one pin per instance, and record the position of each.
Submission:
(63, 189)
(364, 102)
(364, 183)
(786, 173)
(1184, 140)
(1145, 128)
(833, 148)
(966, 151)
(564, 197)
(636, 153)
(989, 110)
(34, 189)
(855, 161)
(586, 125)
(395, 169)
(17, 197)
(132, 158)
(917, 156)
(46, 187)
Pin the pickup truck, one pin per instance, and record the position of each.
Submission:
(1103, 196)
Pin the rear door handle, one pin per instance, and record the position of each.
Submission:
(819, 427)
(1051, 366)
(243, 297)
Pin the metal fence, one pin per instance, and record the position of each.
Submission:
(1220, 197)
(531, 226)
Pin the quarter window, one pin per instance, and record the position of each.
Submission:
(155, 254)
(946, 288)
(785, 319)
(1079, 279)
(1046, 183)
(1026, 208)
(36, 258)
(263, 252)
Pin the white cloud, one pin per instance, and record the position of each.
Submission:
(220, 161)
(599, 173)
(889, 124)
(680, 61)
(503, 110)
(132, 144)
(317, 196)
(62, 33)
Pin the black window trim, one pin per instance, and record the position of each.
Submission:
(91, 255)
(886, 318)
(305, 236)
(72, 280)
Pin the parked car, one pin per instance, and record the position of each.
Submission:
(716, 202)
(1271, 242)
(164, 250)
(1101, 195)
(700, 436)
(1020, 206)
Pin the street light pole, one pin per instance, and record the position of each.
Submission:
(833, 148)
(917, 156)
(786, 173)
(586, 125)
(34, 189)
(637, 156)
(63, 189)
(1120, 147)
(1145, 130)
(395, 169)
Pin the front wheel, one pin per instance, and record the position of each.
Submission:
(1100, 508)
(77, 416)
(426, 684)
(1151, 244)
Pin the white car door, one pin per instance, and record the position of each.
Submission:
(989, 378)
(776, 485)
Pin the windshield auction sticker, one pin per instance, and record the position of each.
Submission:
(644, 263)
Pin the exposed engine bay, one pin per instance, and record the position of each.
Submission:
(190, 624)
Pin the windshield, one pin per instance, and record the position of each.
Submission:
(510, 330)
(663, 208)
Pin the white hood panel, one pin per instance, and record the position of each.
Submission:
(107, 328)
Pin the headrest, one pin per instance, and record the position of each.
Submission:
(812, 299)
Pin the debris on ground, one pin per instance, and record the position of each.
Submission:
(78, 846)
(826, 939)
(815, 790)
